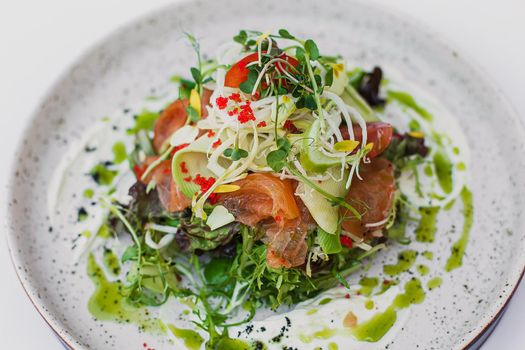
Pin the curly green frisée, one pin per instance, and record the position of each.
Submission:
(251, 198)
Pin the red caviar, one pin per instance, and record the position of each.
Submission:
(216, 143)
(183, 167)
(346, 241)
(179, 147)
(289, 126)
(213, 198)
(221, 102)
(278, 218)
(203, 182)
(235, 97)
(246, 113)
(210, 133)
(261, 124)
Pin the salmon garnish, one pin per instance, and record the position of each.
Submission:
(174, 117)
(170, 196)
(373, 196)
(269, 201)
(259, 197)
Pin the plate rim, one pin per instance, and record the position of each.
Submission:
(475, 341)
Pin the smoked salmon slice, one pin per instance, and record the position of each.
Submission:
(170, 196)
(373, 196)
(378, 133)
(174, 117)
(269, 201)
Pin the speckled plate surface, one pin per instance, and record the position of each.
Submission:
(139, 58)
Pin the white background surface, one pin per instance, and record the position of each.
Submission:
(39, 38)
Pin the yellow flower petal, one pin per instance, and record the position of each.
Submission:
(369, 146)
(346, 145)
(195, 101)
(226, 188)
(416, 134)
(338, 68)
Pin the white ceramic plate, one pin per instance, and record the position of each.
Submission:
(137, 61)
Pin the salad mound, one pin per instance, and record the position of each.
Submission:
(268, 180)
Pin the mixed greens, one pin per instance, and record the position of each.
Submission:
(270, 179)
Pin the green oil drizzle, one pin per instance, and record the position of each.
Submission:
(434, 283)
(88, 193)
(192, 340)
(423, 270)
(458, 249)
(119, 152)
(405, 260)
(414, 294)
(368, 284)
(426, 229)
(231, 344)
(323, 334)
(311, 311)
(102, 175)
(333, 346)
(111, 262)
(449, 205)
(443, 168)
(461, 166)
(376, 327)
(408, 101)
(428, 255)
(429, 171)
(369, 304)
(108, 302)
(325, 301)
(386, 285)
(82, 215)
(104, 232)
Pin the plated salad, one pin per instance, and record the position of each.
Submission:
(276, 173)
